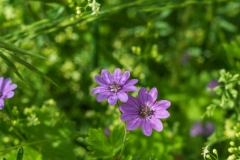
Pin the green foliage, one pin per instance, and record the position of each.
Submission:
(20, 154)
(176, 46)
(102, 146)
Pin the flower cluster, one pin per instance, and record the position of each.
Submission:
(6, 90)
(95, 7)
(143, 111)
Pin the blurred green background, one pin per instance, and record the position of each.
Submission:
(174, 45)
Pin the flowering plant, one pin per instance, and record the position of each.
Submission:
(6, 90)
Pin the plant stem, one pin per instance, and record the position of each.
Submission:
(123, 144)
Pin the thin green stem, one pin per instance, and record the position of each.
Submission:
(32, 143)
(123, 143)
(213, 156)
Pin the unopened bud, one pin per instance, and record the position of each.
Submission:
(231, 150)
(215, 151)
(232, 143)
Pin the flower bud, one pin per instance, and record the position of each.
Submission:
(231, 150)
(215, 151)
(232, 143)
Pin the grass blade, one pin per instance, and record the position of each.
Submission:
(32, 68)
(12, 66)
(13, 48)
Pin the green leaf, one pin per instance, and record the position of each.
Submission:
(227, 25)
(116, 138)
(13, 48)
(20, 154)
(103, 147)
(100, 147)
(129, 157)
(12, 66)
(32, 68)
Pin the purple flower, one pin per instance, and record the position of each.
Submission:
(213, 84)
(209, 129)
(144, 111)
(114, 87)
(107, 131)
(197, 129)
(6, 90)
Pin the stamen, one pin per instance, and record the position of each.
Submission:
(145, 111)
(114, 87)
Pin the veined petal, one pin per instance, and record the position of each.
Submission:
(129, 88)
(112, 100)
(128, 117)
(133, 102)
(6, 83)
(103, 95)
(126, 107)
(134, 124)
(160, 105)
(106, 76)
(125, 77)
(130, 82)
(117, 75)
(1, 103)
(122, 96)
(9, 94)
(99, 89)
(9, 88)
(100, 81)
(144, 97)
(147, 128)
(156, 124)
(154, 93)
(161, 114)
(1, 82)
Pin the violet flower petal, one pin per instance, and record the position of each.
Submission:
(117, 75)
(112, 100)
(103, 95)
(130, 82)
(133, 102)
(128, 117)
(9, 94)
(125, 77)
(134, 124)
(106, 76)
(1, 103)
(1, 82)
(161, 114)
(100, 81)
(125, 108)
(156, 124)
(122, 96)
(160, 105)
(146, 128)
(129, 88)
(154, 93)
(98, 89)
(144, 97)
(10, 88)
(6, 83)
